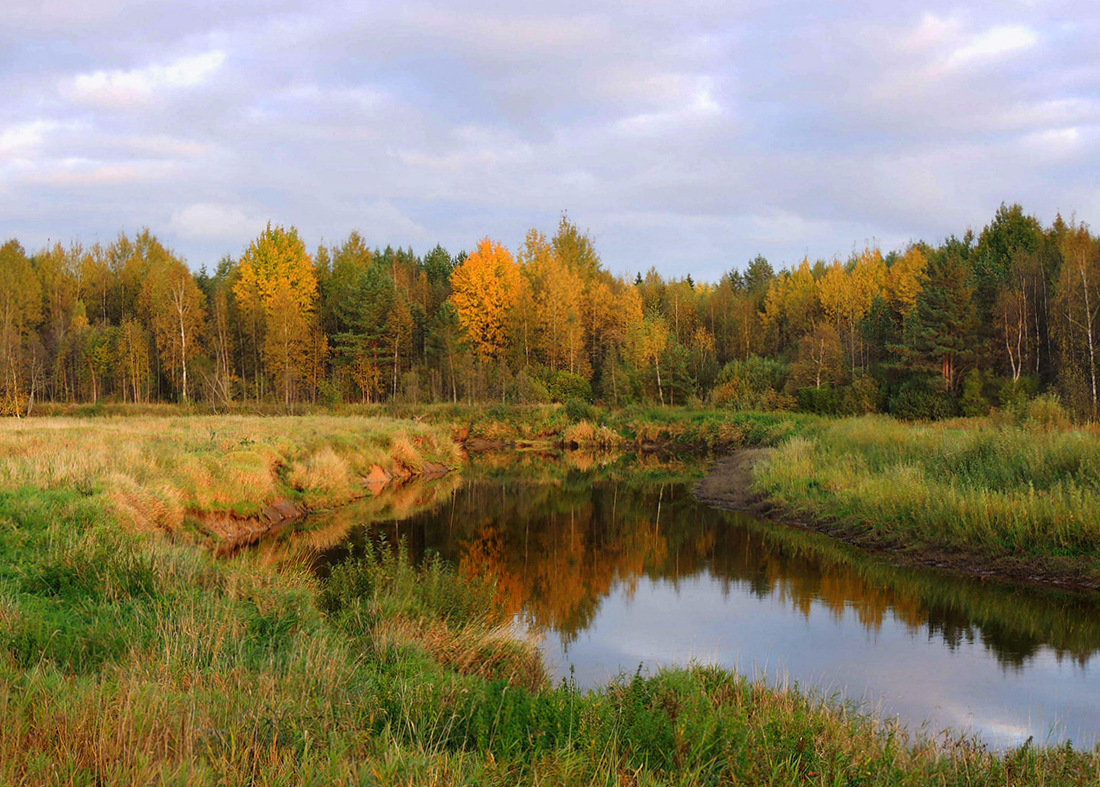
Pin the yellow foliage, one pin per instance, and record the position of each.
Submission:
(485, 291)
(906, 279)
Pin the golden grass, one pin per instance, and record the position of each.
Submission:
(157, 470)
(489, 653)
(587, 435)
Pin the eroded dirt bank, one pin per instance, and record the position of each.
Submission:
(728, 485)
(229, 533)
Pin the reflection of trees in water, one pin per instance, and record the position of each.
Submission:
(1012, 621)
(557, 547)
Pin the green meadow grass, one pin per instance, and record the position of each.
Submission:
(988, 489)
(131, 655)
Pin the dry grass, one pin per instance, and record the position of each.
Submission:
(585, 434)
(157, 470)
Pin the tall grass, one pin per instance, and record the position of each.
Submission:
(976, 486)
(131, 656)
(155, 471)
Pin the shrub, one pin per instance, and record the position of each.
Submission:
(752, 384)
(922, 399)
(824, 400)
(974, 402)
(862, 397)
(565, 386)
(1046, 412)
(578, 410)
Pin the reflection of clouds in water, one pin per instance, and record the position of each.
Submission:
(890, 671)
(585, 560)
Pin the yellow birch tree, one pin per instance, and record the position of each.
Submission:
(277, 287)
(485, 290)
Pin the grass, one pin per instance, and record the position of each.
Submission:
(157, 471)
(130, 655)
(983, 489)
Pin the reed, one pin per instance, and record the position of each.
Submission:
(984, 488)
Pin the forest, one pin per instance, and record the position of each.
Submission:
(929, 331)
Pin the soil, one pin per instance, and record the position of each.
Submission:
(728, 485)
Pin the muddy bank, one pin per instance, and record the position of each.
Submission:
(227, 533)
(728, 485)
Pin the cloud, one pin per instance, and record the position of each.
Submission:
(23, 136)
(118, 88)
(82, 172)
(211, 221)
(685, 135)
(993, 44)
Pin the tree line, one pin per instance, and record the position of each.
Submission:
(973, 323)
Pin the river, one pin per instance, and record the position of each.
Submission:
(619, 569)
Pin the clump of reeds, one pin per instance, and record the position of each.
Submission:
(1000, 489)
(585, 434)
(155, 471)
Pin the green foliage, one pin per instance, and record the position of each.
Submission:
(823, 400)
(974, 401)
(566, 386)
(752, 384)
(579, 410)
(1046, 412)
(861, 397)
(922, 398)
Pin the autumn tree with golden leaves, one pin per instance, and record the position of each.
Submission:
(277, 291)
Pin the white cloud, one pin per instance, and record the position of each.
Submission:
(24, 138)
(381, 218)
(78, 171)
(993, 44)
(211, 221)
(686, 103)
(1056, 143)
(120, 88)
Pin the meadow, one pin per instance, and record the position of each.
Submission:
(1021, 498)
(131, 653)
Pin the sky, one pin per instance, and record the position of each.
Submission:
(687, 135)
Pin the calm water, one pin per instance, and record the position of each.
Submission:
(623, 570)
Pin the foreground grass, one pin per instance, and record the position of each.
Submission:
(130, 655)
(984, 490)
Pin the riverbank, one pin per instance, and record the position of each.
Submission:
(217, 480)
(502, 427)
(129, 653)
(1010, 501)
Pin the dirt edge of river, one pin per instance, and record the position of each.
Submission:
(228, 533)
(728, 485)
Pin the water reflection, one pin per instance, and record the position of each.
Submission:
(622, 566)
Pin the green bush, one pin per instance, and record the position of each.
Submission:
(862, 397)
(922, 399)
(1046, 412)
(578, 410)
(974, 401)
(753, 384)
(564, 386)
(823, 400)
